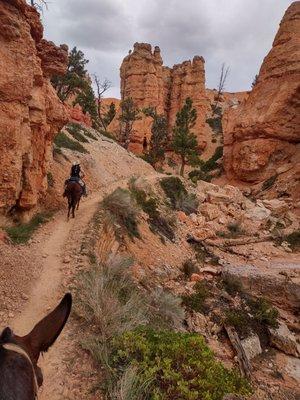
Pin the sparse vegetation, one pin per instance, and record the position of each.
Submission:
(294, 240)
(205, 167)
(129, 114)
(63, 141)
(158, 223)
(239, 319)
(215, 124)
(76, 130)
(189, 267)
(21, 233)
(232, 284)
(234, 228)
(50, 179)
(179, 197)
(196, 300)
(165, 310)
(268, 183)
(178, 365)
(263, 312)
(123, 208)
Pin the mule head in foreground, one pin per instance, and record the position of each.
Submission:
(20, 375)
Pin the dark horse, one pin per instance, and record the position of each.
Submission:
(73, 193)
(20, 376)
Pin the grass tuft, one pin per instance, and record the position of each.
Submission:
(21, 233)
(63, 141)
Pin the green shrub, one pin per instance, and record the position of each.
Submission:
(123, 207)
(294, 240)
(232, 284)
(234, 229)
(198, 175)
(263, 312)
(158, 223)
(50, 179)
(174, 189)
(196, 300)
(21, 233)
(240, 320)
(215, 124)
(179, 365)
(89, 134)
(211, 164)
(268, 183)
(62, 140)
(107, 134)
(179, 197)
(189, 267)
(76, 131)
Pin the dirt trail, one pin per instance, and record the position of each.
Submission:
(46, 291)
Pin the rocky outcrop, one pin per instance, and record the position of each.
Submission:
(150, 84)
(262, 134)
(30, 111)
(77, 115)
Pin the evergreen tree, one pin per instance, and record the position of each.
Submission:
(255, 81)
(109, 115)
(129, 114)
(184, 141)
(75, 79)
(86, 99)
(159, 136)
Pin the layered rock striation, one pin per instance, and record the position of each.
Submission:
(30, 111)
(263, 133)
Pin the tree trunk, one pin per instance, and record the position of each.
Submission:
(182, 166)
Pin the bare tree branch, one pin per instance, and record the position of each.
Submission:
(102, 87)
(221, 86)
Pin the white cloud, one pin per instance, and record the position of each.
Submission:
(237, 32)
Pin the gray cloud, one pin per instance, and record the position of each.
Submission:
(239, 33)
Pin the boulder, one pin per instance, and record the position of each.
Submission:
(251, 346)
(284, 340)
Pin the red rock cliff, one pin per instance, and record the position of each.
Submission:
(262, 134)
(149, 83)
(30, 111)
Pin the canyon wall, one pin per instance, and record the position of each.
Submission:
(262, 136)
(30, 111)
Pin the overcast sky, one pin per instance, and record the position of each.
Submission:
(237, 32)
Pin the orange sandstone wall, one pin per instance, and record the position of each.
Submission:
(261, 135)
(30, 111)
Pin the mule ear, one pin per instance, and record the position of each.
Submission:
(44, 334)
(6, 335)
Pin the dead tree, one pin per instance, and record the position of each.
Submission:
(39, 5)
(101, 87)
(221, 86)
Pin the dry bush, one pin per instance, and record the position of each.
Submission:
(167, 311)
(130, 386)
(109, 300)
(123, 207)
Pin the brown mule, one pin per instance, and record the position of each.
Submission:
(20, 375)
(73, 193)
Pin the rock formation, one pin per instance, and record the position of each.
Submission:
(150, 84)
(262, 134)
(77, 115)
(30, 111)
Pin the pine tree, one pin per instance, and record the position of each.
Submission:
(129, 114)
(159, 136)
(75, 79)
(184, 141)
(109, 115)
(86, 99)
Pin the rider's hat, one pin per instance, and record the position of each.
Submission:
(77, 162)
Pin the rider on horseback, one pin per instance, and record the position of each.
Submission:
(76, 175)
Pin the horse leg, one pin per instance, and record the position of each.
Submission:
(78, 204)
(69, 208)
(73, 209)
